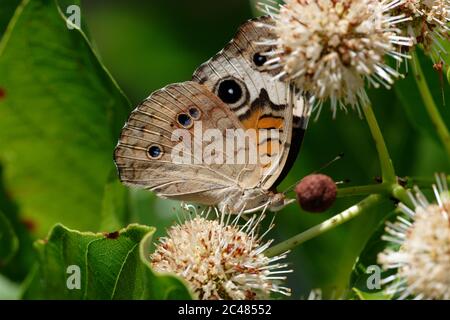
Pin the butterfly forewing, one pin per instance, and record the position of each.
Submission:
(196, 141)
(261, 102)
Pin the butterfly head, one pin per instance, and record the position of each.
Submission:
(278, 201)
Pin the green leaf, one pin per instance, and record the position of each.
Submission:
(444, 55)
(8, 289)
(60, 117)
(361, 295)
(112, 266)
(8, 240)
(368, 258)
(7, 11)
(23, 257)
(115, 206)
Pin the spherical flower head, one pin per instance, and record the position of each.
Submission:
(220, 260)
(423, 259)
(329, 48)
(428, 23)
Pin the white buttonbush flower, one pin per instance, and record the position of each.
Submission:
(221, 260)
(429, 23)
(423, 260)
(331, 48)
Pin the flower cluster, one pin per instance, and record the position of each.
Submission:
(330, 49)
(423, 259)
(428, 23)
(221, 260)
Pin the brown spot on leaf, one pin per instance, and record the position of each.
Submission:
(112, 235)
(29, 224)
(2, 93)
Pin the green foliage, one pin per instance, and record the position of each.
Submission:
(412, 101)
(59, 120)
(361, 295)
(112, 266)
(23, 256)
(60, 114)
(115, 205)
(8, 289)
(8, 239)
(7, 11)
(359, 278)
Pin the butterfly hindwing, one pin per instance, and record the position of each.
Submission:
(160, 134)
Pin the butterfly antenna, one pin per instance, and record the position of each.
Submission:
(326, 165)
(329, 163)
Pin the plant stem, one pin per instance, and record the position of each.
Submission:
(394, 190)
(363, 190)
(448, 75)
(325, 226)
(387, 168)
(400, 193)
(430, 104)
(378, 192)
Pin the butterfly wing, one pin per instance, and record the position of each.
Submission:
(162, 146)
(238, 76)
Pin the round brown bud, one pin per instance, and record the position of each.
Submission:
(316, 193)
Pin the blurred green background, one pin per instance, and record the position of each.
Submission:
(145, 46)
